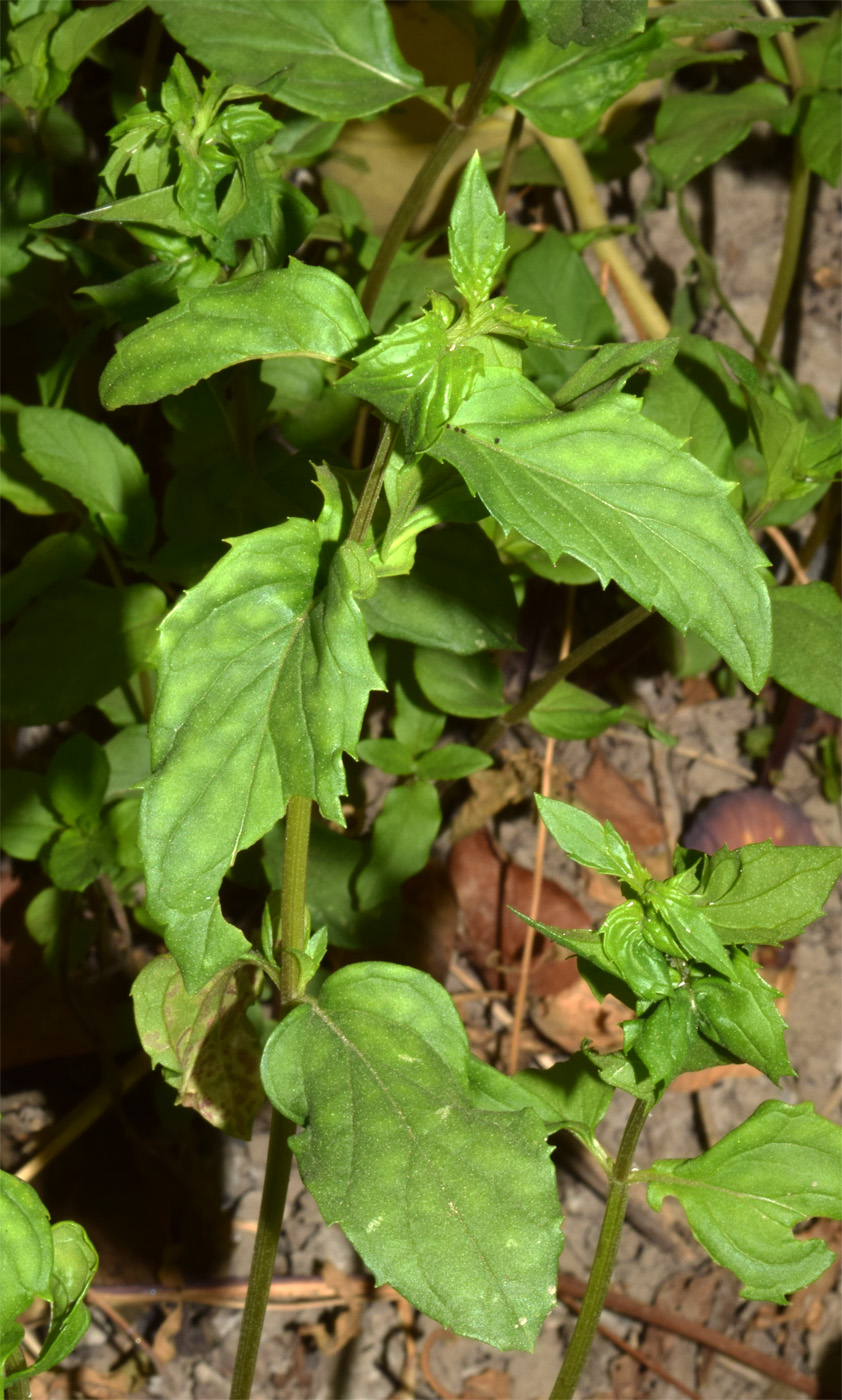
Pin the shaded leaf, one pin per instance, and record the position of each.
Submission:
(460, 685)
(586, 22)
(807, 643)
(28, 823)
(694, 130)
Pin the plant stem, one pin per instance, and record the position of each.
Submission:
(603, 1265)
(446, 147)
(642, 307)
(364, 514)
(497, 728)
(799, 189)
(279, 1159)
(17, 1390)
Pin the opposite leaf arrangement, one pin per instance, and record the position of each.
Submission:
(238, 674)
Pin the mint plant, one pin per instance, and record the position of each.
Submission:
(228, 588)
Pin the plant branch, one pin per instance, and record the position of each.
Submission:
(604, 1259)
(637, 299)
(281, 1130)
(799, 189)
(504, 174)
(497, 728)
(446, 147)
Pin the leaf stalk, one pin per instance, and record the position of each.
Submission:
(604, 1260)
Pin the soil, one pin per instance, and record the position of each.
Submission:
(160, 1214)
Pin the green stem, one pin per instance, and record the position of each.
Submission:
(799, 189)
(603, 1265)
(446, 147)
(497, 728)
(364, 513)
(17, 1390)
(279, 1159)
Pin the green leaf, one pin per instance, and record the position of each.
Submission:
(608, 370)
(565, 92)
(55, 559)
(740, 1014)
(616, 491)
(460, 685)
(700, 404)
(28, 822)
(402, 838)
(77, 779)
(820, 140)
(417, 377)
(476, 235)
(643, 967)
(128, 760)
(263, 682)
(570, 1096)
(301, 310)
(77, 858)
(27, 1246)
(340, 62)
(807, 643)
(158, 208)
(550, 279)
(775, 893)
(91, 463)
(568, 712)
(64, 937)
(457, 598)
(694, 130)
(74, 39)
(588, 22)
(590, 843)
(74, 644)
(665, 1037)
(462, 1215)
(204, 1043)
(452, 761)
(75, 1261)
(416, 723)
(743, 1197)
(389, 754)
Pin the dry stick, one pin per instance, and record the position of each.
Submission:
(84, 1114)
(540, 849)
(427, 1369)
(639, 1356)
(779, 539)
(697, 755)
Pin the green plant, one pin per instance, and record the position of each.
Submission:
(516, 438)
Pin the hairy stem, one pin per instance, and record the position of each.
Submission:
(497, 728)
(279, 1159)
(364, 514)
(446, 147)
(604, 1259)
(799, 189)
(642, 307)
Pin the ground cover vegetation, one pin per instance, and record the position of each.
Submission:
(270, 470)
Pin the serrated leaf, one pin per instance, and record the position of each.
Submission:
(807, 643)
(696, 401)
(458, 597)
(665, 1037)
(570, 1096)
(775, 892)
(460, 685)
(73, 645)
(740, 1014)
(694, 130)
(476, 235)
(693, 932)
(417, 377)
(205, 1043)
(27, 1256)
(617, 492)
(340, 63)
(564, 92)
(743, 1197)
(262, 685)
(298, 311)
(462, 1215)
(590, 843)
